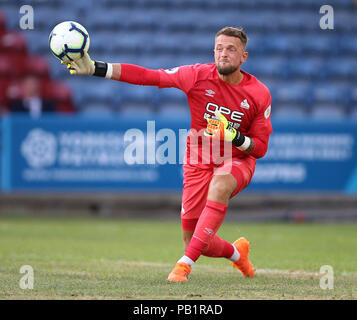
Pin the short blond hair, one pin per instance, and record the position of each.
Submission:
(234, 32)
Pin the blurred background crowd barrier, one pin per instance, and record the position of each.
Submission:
(311, 73)
(84, 154)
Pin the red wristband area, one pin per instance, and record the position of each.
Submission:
(139, 75)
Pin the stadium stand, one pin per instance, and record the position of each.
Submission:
(310, 72)
(16, 62)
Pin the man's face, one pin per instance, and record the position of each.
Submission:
(30, 87)
(229, 54)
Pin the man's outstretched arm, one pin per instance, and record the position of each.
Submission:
(116, 71)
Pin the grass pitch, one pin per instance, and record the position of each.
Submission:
(91, 258)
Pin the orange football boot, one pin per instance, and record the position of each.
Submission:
(243, 264)
(180, 272)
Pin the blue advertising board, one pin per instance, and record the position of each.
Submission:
(316, 156)
(80, 153)
(130, 154)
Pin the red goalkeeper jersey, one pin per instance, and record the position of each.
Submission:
(247, 107)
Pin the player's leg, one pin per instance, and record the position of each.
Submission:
(243, 173)
(196, 184)
(217, 248)
(221, 187)
(186, 236)
(208, 215)
(237, 176)
(227, 182)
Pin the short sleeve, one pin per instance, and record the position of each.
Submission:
(183, 78)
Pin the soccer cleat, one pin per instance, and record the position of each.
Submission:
(180, 272)
(243, 264)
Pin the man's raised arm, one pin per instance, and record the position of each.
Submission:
(116, 71)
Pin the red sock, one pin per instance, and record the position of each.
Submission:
(207, 225)
(218, 248)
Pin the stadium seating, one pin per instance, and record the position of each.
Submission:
(288, 112)
(296, 94)
(17, 61)
(328, 94)
(352, 101)
(308, 70)
(36, 65)
(329, 111)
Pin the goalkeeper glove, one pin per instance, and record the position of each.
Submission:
(86, 66)
(220, 128)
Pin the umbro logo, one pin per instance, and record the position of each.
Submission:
(209, 231)
(244, 104)
(210, 93)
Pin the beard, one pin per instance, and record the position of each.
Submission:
(226, 70)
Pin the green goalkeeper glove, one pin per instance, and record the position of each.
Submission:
(86, 66)
(220, 128)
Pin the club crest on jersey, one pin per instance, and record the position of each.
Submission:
(244, 104)
(210, 93)
(267, 112)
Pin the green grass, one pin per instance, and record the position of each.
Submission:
(130, 259)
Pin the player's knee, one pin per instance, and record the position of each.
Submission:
(221, 187)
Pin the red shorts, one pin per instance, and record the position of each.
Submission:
(196, 182)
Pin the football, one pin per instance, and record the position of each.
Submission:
(68, 41)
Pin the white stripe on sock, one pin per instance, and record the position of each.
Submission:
(235, 256)
(187, 260)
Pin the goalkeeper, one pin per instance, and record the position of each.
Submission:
(228, 106)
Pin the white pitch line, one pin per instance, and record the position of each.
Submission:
(220, 269)
(287, 272)
(228, 268)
